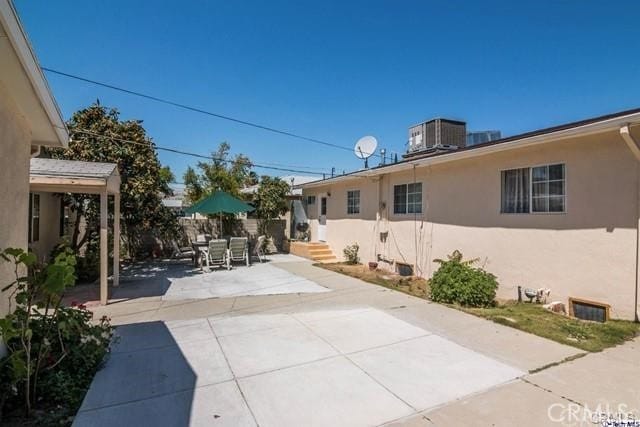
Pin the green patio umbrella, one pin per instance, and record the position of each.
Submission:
(219, 203)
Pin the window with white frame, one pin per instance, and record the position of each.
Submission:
(407, 198)
(353, 202)
(539, 189)
(34, 217)
(311, 200)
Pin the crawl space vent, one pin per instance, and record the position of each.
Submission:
(588, 310)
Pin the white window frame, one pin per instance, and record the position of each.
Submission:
(530, 168)
(353, 208)
(406, 201)
(34, 214)
(311, 200)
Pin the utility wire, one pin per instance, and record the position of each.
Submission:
(199, 110)
(187, 153)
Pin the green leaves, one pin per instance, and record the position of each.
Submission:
(351, 254)
(271, 200)
(143, 180)
(457, 282)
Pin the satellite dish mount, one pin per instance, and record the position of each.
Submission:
(365, 148)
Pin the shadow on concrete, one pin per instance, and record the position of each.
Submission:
(146, 380)
(137, 280)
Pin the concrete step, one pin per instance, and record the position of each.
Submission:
(316, 251)
(325, 251)
(323, 257)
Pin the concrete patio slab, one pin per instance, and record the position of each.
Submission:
(191, 309)
(141, 336)
(207, 361)
(596, 380)
(330, 392)
(260, 351)
(298, 361)
(513, 404)
(429, 371)
(242, 324)
(190, 330)
(259, 279)
(363, 329)
(140, 375)
(216, 405)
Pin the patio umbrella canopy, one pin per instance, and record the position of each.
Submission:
(218, 203)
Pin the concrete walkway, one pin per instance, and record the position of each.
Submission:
(357, 355)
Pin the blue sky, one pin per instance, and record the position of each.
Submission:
(337, 70)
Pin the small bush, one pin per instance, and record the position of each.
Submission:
(456, 281)
(351, 254)
(52, 351)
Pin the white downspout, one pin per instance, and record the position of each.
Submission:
(634, 146)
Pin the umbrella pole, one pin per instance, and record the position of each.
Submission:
(221, 232)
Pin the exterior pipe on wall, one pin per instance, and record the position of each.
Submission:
(634, 146)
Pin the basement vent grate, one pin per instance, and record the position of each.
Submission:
(589, 310)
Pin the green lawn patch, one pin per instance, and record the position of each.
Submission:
(532, 318)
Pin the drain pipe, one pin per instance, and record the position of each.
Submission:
(634, 146)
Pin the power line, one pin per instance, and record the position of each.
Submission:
(198, 110)
(187, 153)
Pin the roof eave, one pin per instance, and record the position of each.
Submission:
(588, 129)
(13, 28)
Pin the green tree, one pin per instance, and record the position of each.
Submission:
(221, 173)
(166, 178)
(98, 135)
(271, 201)
(193, 188)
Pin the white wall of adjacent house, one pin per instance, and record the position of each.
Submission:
(587, 251)
(14, 186)
(48, 225)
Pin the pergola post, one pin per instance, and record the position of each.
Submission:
(116, 239)
(104, 254)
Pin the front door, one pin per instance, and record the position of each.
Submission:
(322, 220)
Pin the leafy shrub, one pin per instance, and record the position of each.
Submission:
(53, 351)
(87, 268)
(351, 254)
(456, 281)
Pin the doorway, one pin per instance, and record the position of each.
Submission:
(322, 219)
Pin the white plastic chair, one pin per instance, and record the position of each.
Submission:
(238, 249)
(217, 254)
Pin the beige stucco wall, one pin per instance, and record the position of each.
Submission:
(49, 226)
(587, 252)
(14, 189)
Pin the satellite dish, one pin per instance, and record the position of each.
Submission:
(365, 148)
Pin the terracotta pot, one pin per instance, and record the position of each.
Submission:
(373, 266)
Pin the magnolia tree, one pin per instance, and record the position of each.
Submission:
(98, 135)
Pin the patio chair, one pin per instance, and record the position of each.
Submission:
(238, 249)
(181, 252)
(258, 250)
(217, 254)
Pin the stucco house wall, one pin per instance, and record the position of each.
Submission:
(587, 252)
(14, 175)
(49, 226)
